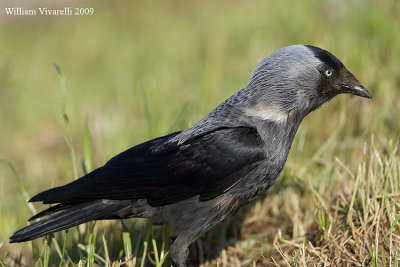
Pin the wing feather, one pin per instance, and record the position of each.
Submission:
(207, 166)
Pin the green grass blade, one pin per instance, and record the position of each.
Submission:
(145, 244)
(5, 252)
(63, 92)
(57, 247)
(21, 186)
(147, 114)
(65, 235)
(178, 118)
(87, 154)
(39, 260)
(167, 245)
(126, 237)
(157, 259)
(106, 253)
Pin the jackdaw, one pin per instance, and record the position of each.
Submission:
(194, 179)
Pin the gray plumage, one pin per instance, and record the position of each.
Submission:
(194, 179)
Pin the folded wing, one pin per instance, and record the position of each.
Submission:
(206, 166)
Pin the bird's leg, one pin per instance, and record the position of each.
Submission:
(178, 264)
(179, 250)
(170, 262)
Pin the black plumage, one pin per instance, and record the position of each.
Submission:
(206, 166)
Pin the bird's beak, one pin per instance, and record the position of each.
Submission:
(351, 85)
(356, 90)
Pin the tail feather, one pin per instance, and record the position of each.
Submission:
(71, 216)
(51, 210)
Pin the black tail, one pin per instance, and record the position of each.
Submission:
(69, 217)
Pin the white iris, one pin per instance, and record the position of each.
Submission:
(328, 73)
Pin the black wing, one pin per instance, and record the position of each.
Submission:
(207, 166)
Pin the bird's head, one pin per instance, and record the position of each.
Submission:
(298, 77)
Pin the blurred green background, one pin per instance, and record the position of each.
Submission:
(140, 69)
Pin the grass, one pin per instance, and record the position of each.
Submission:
(127, 77)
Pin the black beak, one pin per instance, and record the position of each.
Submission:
(356, 90)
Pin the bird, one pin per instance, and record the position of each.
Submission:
(193, 179)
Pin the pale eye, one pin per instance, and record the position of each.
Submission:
(328, 73)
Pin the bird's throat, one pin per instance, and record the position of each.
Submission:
(278, 137)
